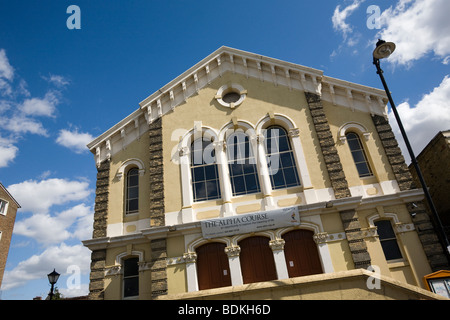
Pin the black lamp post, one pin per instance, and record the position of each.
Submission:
(384, 50)
(52, 278)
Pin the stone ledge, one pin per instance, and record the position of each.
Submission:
(344, 285)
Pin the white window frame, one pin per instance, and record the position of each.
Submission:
(5, 208)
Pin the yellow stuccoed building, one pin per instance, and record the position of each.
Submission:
(248, 177)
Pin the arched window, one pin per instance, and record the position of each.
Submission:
(242, 165)
(388, 240)
(280, 158)
(130, 277)
(359, 156)
(205, 176)
(132, 191)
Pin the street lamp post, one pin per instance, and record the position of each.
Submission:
(384, 50)
(52, 278)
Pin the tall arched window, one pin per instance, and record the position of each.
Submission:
(242, 165)
(205, 176)
(388, 240)
(359, 156)
(280, 158)
(132, 191)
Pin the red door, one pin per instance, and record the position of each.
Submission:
(302, 256)
(213, 270)
(256, 258)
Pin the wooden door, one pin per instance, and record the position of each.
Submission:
(213, 270)
(257, 263)
(302, 256)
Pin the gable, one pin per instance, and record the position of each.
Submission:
(228, 60)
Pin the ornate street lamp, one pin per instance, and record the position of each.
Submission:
(382, 51)
(52, 278)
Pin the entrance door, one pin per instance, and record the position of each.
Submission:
(257, 263)
(302, 256)
(213, 270)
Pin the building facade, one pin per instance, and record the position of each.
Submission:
(8, 210)
(247, 169)
(433, 162)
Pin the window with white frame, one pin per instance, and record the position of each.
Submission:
(130, 277)
(388, 240)
(242, 165)
(3, 207)
(132, 192)
(204, 171)
(358, 154)
(280, 158)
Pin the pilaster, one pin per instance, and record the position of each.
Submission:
(352, 226)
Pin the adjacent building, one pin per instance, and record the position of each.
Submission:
(8, 210)
(434, 162)
(246, 169)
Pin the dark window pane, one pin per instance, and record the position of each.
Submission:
(133, 192)
(236, 169)
(358, 156)
(198, 174)
(130, 267)
(286, 159)
(210, 172)
(384, 229)
(363, 169)
(133, 205)
(199, 190)
(131, 287)
(291, 176)
(239, 184)
(251, 183)
(391, 249)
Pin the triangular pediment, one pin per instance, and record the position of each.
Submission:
(265, 69)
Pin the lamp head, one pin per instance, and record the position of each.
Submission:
(53, 277)
(384, 49)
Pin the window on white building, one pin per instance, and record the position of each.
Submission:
(242, 165)
(359, 156)
(132, 191)
(388, 240)
(130, 277)
(204, 171)
(280, 159)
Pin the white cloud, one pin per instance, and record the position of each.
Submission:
(6, 70)
(74, 140)
(425, 120)
(38, 266)
(8, 152)
(340, 16)
(70, 223)
(39, 196)
(417, 27)
(19, 124)
(40, 106)
(57, 80)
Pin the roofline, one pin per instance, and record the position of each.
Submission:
(9, 194)
(168, 92)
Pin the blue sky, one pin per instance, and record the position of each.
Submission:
(60, 88)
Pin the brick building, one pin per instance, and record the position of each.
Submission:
(8, 210)
(434, 163)
(247, 169)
